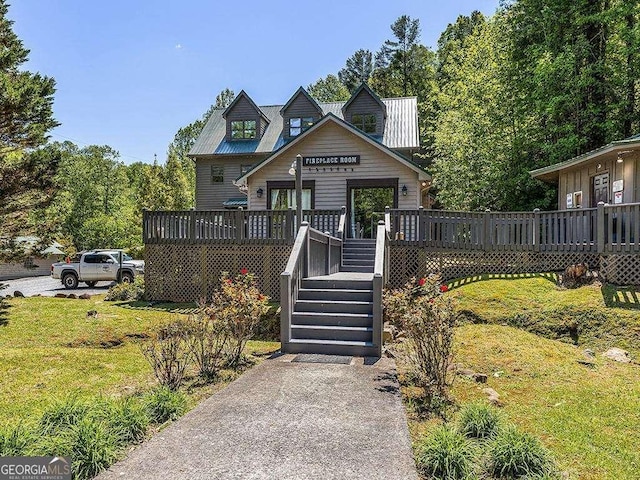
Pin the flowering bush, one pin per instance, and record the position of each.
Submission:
(427, 318)
(239, 305)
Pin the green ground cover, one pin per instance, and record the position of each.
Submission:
(589, 417)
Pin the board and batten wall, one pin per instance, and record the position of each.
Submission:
(580, 179)
(331, 186)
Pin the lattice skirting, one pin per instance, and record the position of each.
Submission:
(188, 273)
(409, 261)
(621, 269)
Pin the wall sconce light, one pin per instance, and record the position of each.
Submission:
(404, 190)
(619, 160)
(260, 192)
(599, 166)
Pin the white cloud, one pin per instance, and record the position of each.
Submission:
(178, 46)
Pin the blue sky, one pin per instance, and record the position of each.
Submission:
(129, 73)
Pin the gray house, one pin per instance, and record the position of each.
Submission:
(244, 153)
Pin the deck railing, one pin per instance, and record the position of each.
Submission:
(233, 226)
(605, 229)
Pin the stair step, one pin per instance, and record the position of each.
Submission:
(332, 306)
(335, 294)
(337, 284)
(357, 268)
(332, 347)
(329, 319)
(354, 261)
(358, 255)
(360, 241)
(331, 332)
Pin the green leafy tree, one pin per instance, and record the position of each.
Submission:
(26, 115)
(224, 99)
(358, 70)
(328, 89)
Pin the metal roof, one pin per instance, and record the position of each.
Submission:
(235, 202)
(400, 130)
(551, 172)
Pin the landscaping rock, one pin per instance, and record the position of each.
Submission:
(493, 397)
(18, 294)
(588, 353)
(498, 374)
(92, 314)
(85, 296)
(72, 295)
(466, 372)
(387, 335)
(61, 295)
(480, 377)
(618, 355)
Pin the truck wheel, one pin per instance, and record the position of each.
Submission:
(91, 284)
(126, 277)
(70, 281)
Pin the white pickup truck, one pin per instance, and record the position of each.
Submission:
(98, 266)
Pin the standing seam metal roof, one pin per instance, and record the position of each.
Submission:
(400, 130)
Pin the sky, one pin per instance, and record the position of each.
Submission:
(130, 73)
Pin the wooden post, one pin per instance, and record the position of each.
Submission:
(486, 231)
(192, 236)
(290, 235)
(421, 230)
(240, 225)
(600, 227)
(536, 229)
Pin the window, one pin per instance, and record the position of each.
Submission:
(297, 125)
(285, 198)
(243, 129)
(245, 168)
(92, 259)
(365, 122)
(217, 174)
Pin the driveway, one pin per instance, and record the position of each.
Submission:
(286, 420)
(48, 287)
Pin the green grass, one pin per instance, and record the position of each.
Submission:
(592, 316)
(49, 347)
(588, 417)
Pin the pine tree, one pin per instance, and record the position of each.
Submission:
(357, 70)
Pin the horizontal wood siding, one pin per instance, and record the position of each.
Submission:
(366, 104)
(243, 110)
(331, 184)
(580, 179)
(300, 107)
(210, 196)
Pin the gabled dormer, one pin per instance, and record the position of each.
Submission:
(245, 120)
(365, 111)
(299, 114)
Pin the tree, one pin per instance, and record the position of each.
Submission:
(357, 70)
(399, 52)
(328, 89)
(224, 99)
(26, 115)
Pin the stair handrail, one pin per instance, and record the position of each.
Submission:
(290, 281)
(380, 279)
(342, 223)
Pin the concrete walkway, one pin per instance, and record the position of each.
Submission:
(286, 420)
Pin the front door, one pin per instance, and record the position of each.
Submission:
(600, 189)
(366, 202)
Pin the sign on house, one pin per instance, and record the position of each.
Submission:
(331, 160)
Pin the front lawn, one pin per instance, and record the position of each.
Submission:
(588, 416)
(50, 347)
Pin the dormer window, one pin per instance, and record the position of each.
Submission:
(297, 125)
(243, 129)
(365, 122)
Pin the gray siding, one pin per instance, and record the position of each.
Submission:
(365, 104)
(580, 179)
(299, 107)
(331, 185)
(210, 196)
(243, 110)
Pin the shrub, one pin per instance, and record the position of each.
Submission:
(163, 404)
(428, 320)
(446, 454)
(15, 440)
(239, 305)
(93, 447)
(514, 454)
(128, 420)
(208, 337)
(168, 352)
(126, 292)
(478, 420)
(63, 414)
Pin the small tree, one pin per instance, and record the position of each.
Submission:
(208, 337)
(239, 304)
(168, 353)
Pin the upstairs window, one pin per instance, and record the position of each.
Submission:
(243, 129)
(297, 125)
(365, 122)
(217, 174)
